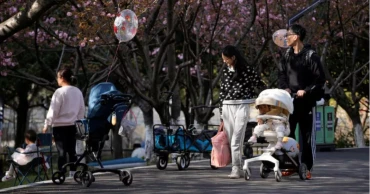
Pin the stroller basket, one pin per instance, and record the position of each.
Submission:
(169, 139)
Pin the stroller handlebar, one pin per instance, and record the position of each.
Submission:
(204, 106)
(271, 117)
(122, 97)
(116, 97)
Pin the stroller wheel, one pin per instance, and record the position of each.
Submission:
(126, 177)
(277, 176)
(302, 171)
(58, 178)
(187, 160)
(264, 171)
(247, 176)
(181, 162)
(86, 178)
(77, 177)
(162, 162)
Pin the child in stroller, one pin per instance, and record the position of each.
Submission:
(106, 107)
(266, 106)
(284, 156)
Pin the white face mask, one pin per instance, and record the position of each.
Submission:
(231, 68)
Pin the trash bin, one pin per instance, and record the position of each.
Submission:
(325, 129)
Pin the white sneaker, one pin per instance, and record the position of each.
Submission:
(7, 177)
(235, 173)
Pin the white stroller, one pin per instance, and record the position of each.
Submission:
(277, 160)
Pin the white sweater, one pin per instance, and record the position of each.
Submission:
(67, 105)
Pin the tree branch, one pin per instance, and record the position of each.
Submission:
(38, 81)
(153, 17)
(250, 24)
(179, 68)
(161, 52)
(26, 17)
(43, 65)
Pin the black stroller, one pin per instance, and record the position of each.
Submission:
(105, 103)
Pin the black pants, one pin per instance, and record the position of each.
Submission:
(65, 141)
(303, 115)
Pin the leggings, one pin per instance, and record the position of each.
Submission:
(65, 142)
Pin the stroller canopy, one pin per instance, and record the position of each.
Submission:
(102, 100)
(276, 97)
(97, 91)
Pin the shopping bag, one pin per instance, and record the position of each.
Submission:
(220, 154)
(128, 125)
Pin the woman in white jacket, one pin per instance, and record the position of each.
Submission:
(67, 106)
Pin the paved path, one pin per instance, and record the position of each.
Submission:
(341, 171)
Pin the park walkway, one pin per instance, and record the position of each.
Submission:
(340, 171)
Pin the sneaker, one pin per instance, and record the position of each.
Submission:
(308, 175)
(7, 177)
(252, 139)
(235, 173)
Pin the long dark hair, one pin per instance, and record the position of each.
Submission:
(240, 64)
(68, 76)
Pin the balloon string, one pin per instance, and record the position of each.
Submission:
(114, 58)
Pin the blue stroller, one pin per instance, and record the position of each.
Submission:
(169, 138)
(105, 103)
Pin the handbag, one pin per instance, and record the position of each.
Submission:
(127, 125)
(220, 155)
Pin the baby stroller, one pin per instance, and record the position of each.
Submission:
(106, 107)
(169, 139)
(277, 160)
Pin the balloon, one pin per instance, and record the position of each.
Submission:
(125, 25)
(279, 39)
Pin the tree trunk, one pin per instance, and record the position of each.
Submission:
(171, 62)
(117, 142)
(22, 119)
(149, 144)
(358, 131)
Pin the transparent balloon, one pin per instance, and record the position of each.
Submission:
(125, 25)
(279, 38)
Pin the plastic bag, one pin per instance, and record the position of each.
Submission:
(128, 125)
(220, 155)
